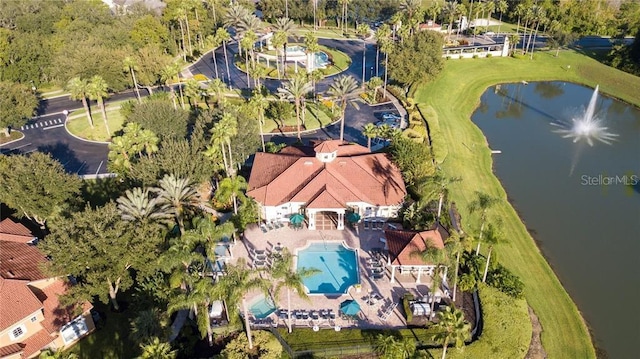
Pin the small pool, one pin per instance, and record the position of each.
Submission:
(262, 307)
(295, 49)
(338, 266)
(321, 59)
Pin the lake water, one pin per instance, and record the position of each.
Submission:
(573, 199)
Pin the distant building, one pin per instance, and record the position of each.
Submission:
(121, 6)
(31, 316)
(324, 183)
(430, 25)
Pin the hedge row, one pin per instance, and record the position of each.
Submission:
(438, 145)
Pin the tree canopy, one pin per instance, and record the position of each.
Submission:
(18, 104)
(37, 186)
(417, 59)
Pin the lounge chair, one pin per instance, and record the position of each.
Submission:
(324, 314)
(305, 315)
(314, 315)
(332, 315)
(270, 226)
(261, 257)
(259, 264)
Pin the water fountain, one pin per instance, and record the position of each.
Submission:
(589, 127)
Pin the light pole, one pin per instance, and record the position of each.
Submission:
(66, 115)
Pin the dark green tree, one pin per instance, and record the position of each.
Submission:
(159, 116)
(18, 104)
(37, 186)
(418, 59)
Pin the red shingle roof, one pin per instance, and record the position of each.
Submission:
(20, 261)
(16, 302)
(36, 342)
(355, 175)
(327, 146)
(55, 314)
(10, 226)
(403, 244)
(10, 349)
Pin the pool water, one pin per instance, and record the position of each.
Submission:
(338, 266)
(321, 59)
(262, 307)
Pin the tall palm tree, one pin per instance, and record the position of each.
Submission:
(451, 11)
(207, 233)
(382, 35)
(345, 7)
(483, 202)
(493, 237)
(155, 349)
(285, 26)
(131, 66)
(167, 74)
(247, 43)
(137, 205)
(540, 16)
(198, 300)
(456, 245)
(434, 10)
(451, 328)
(223, 36)
(99, 90)
(370, 131)
(386, 46)
(229, 189)
(259, 104)
(341, 89)
(79, 90)
(179, 260)
(278, 41)
(311, 47)
(224, 131)
(438, 257)
(217, 88)
(295, 90)
(501, 6)
(438, 186)
(285, 277)
(363, 31)
(410, 7)
(490, 7)
(214, 42)
(178, 194)
(234, 286)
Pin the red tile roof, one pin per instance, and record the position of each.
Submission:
(355, 175)
(403, 244)
(37, 342)
(55, 314)
(325, 200)
(21, 261)
(10, 349)
(16, 302)
(327, 146)
(10, 226)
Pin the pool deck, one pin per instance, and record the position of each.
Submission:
(371, 316)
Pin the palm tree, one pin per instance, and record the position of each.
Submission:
(382, 35)
(137, 205)
(214, 42)
(229, 189)
(483, 202)
(370, 131)
(98, 90)
(345, 7)
(311, 47)
(540, 16)
(131, 66)
(192, 91)
(490, 7)
(155, 349)
(223, 36)
(341, 89)
(148, 141)
(217, 87)
(391, 348)
(285, 26)
(363, 31)
(493, 237)
(456, 244)
(451, 327)
(79, 90)
(278, 41)
(500, 6)
(434, 10)
(514, 39)
(167, 74)
(438, 257)
(285, 277)
(438, 185)
(247, 43)
(410, 7)
(233, 287)
(208, 234)
(178, 260)
(198, 299)
(295, 90)
(223, 131)
(451, 10)
(177, 194)
(57, 354)
(259, 104)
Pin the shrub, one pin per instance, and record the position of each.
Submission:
(415, 135)
(475, 56)
(448, 57)
(438, 144)
(505, 281)
(200, 77)
(265, 346)
(489, 55)
(407, 307)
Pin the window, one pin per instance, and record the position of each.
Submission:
(17, 332)
(74, 330)
(33, 319)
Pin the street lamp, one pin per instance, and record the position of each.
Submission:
(66, 115)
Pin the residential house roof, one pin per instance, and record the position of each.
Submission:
(355, 175)
(10, 349)
(21, 261)
(14, 231)
(16, 302)
(55, 313)
(36, 342)
(404, 244)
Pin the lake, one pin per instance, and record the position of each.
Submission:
(581, 203)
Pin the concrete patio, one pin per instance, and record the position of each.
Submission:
(386, 312)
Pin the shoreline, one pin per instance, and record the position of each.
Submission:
(543, 289)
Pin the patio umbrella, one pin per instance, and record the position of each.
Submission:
(350, 307)
(296, 219)
(353, 217)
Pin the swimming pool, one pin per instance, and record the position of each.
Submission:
(321, 59)
(338, 266)
(262, 307)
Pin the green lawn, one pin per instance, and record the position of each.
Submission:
(324, 32)
(341, 62)
(315, 118)
(80, 127)
(15, 135)
(454, 96)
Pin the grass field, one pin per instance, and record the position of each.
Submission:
(454, 96)
(15, 135)
(80, 127)
(315, 118)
